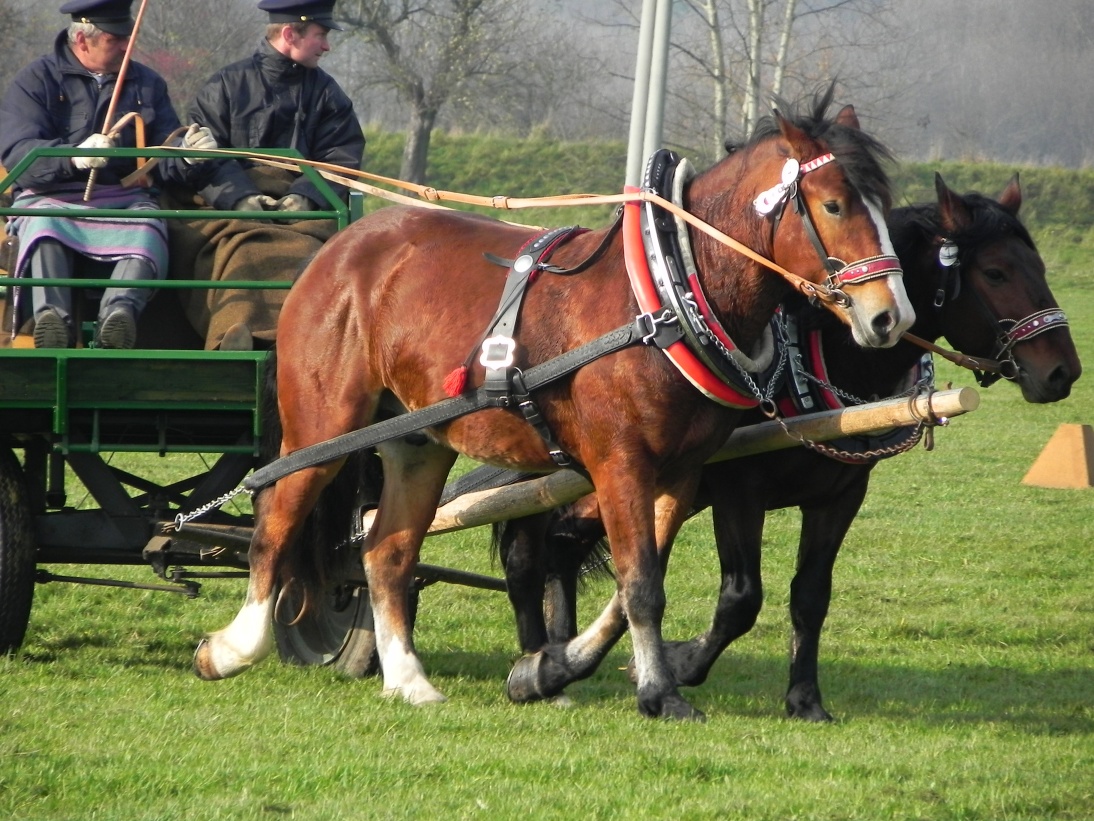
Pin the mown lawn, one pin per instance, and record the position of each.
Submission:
(958, 658)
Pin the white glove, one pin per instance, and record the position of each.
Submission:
(94, 141)
(200, 138)
(296, 202)
(256, 202)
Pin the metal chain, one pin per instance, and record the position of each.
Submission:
(764, 397)
(914, 390)
(183, 518)
(923, 428)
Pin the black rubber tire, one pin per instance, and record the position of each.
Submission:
(336, 631)
(17, 554)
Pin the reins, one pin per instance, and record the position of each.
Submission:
(432, 197)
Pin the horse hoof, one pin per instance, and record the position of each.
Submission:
(673, 707)
(418, 696)
(812, 712)
(203, 662)
(523, 682)
(209, 668)
(679, 710)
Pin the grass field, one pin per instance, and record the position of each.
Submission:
(958, 658)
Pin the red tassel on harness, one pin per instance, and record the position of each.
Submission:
(454, 383)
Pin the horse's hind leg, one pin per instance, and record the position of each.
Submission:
(738, 530)
(414, 476)
(639, 604)
(280, 512)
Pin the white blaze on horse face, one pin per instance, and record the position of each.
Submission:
(900, 309)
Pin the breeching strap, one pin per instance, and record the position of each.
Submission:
(443, 411)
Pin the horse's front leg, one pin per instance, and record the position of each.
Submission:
(823, 530)
(414, 476)
(279, 514)
(738, 530)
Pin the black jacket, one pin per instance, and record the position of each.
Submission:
(269, 101)
(55, 101)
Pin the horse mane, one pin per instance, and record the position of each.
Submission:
(862, 157)
(989, 221)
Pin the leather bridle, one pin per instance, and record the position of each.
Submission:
(1010, 331)
(840, 274)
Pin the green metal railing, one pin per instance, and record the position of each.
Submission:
(100, 385)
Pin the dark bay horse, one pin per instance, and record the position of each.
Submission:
(988, 305)
(388, 310)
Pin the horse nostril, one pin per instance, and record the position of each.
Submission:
(883, 324)
(1061, 380)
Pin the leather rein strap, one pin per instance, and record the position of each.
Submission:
(432, 197)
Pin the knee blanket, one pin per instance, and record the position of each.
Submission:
(222, 250)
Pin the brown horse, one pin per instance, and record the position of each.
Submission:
(973, 275)
(389, 308)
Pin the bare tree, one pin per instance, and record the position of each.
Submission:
(26, 32)
(188, 42)
(756, 50)
(433, 54)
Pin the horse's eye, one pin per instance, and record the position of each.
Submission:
(994, 276)
(832, 207)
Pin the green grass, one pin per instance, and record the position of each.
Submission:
(958, 658)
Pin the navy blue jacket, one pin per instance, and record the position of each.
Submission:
(55, 101)
(269, 101)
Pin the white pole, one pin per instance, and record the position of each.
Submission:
(643, 61)
(659, 68)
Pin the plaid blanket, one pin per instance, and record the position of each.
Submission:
(222, 250)
(100, 238)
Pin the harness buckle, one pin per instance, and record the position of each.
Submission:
(661, 330)
(498, 352)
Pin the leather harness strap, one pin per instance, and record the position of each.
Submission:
(444, 411)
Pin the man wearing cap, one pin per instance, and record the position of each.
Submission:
(276, 98)
(61, 100)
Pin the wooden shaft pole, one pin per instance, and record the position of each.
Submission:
(555, 489)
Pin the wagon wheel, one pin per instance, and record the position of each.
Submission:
(17, 554)
(337, 630)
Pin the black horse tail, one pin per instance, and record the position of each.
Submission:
(327, 547)
(571, 546)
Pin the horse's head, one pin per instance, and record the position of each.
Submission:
(997, 303)
(827, 216)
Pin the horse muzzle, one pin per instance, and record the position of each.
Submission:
(870, 296)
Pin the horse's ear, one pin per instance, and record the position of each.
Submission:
(848, 117)
(800, 143)
(955, 214)
(1011, 198)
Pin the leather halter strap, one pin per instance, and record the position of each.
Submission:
(840, 273)
(1011, 331)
